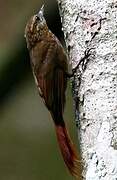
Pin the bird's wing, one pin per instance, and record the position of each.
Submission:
(51, 81)
(52, 88)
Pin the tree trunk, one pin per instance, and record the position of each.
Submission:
(92, 25)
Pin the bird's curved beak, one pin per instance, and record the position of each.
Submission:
(40, 14)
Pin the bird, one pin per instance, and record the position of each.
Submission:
(49, 63)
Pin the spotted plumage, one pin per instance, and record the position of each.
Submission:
(50, 69)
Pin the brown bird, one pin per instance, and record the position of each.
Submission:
(50, 69)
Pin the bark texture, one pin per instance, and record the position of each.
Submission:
(92, 24)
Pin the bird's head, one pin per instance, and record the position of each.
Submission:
(36, 28)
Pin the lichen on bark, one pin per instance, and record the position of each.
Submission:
(87, 25)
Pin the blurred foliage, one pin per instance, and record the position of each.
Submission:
(28, 147)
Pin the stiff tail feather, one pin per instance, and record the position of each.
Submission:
(69, 153)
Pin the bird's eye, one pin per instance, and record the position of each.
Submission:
(37, 18)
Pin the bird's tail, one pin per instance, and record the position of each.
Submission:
(69, 153)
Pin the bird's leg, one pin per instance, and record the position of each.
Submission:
(86, 55)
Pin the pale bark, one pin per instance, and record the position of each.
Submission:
(93, 24)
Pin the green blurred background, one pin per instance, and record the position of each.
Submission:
(28, 147)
